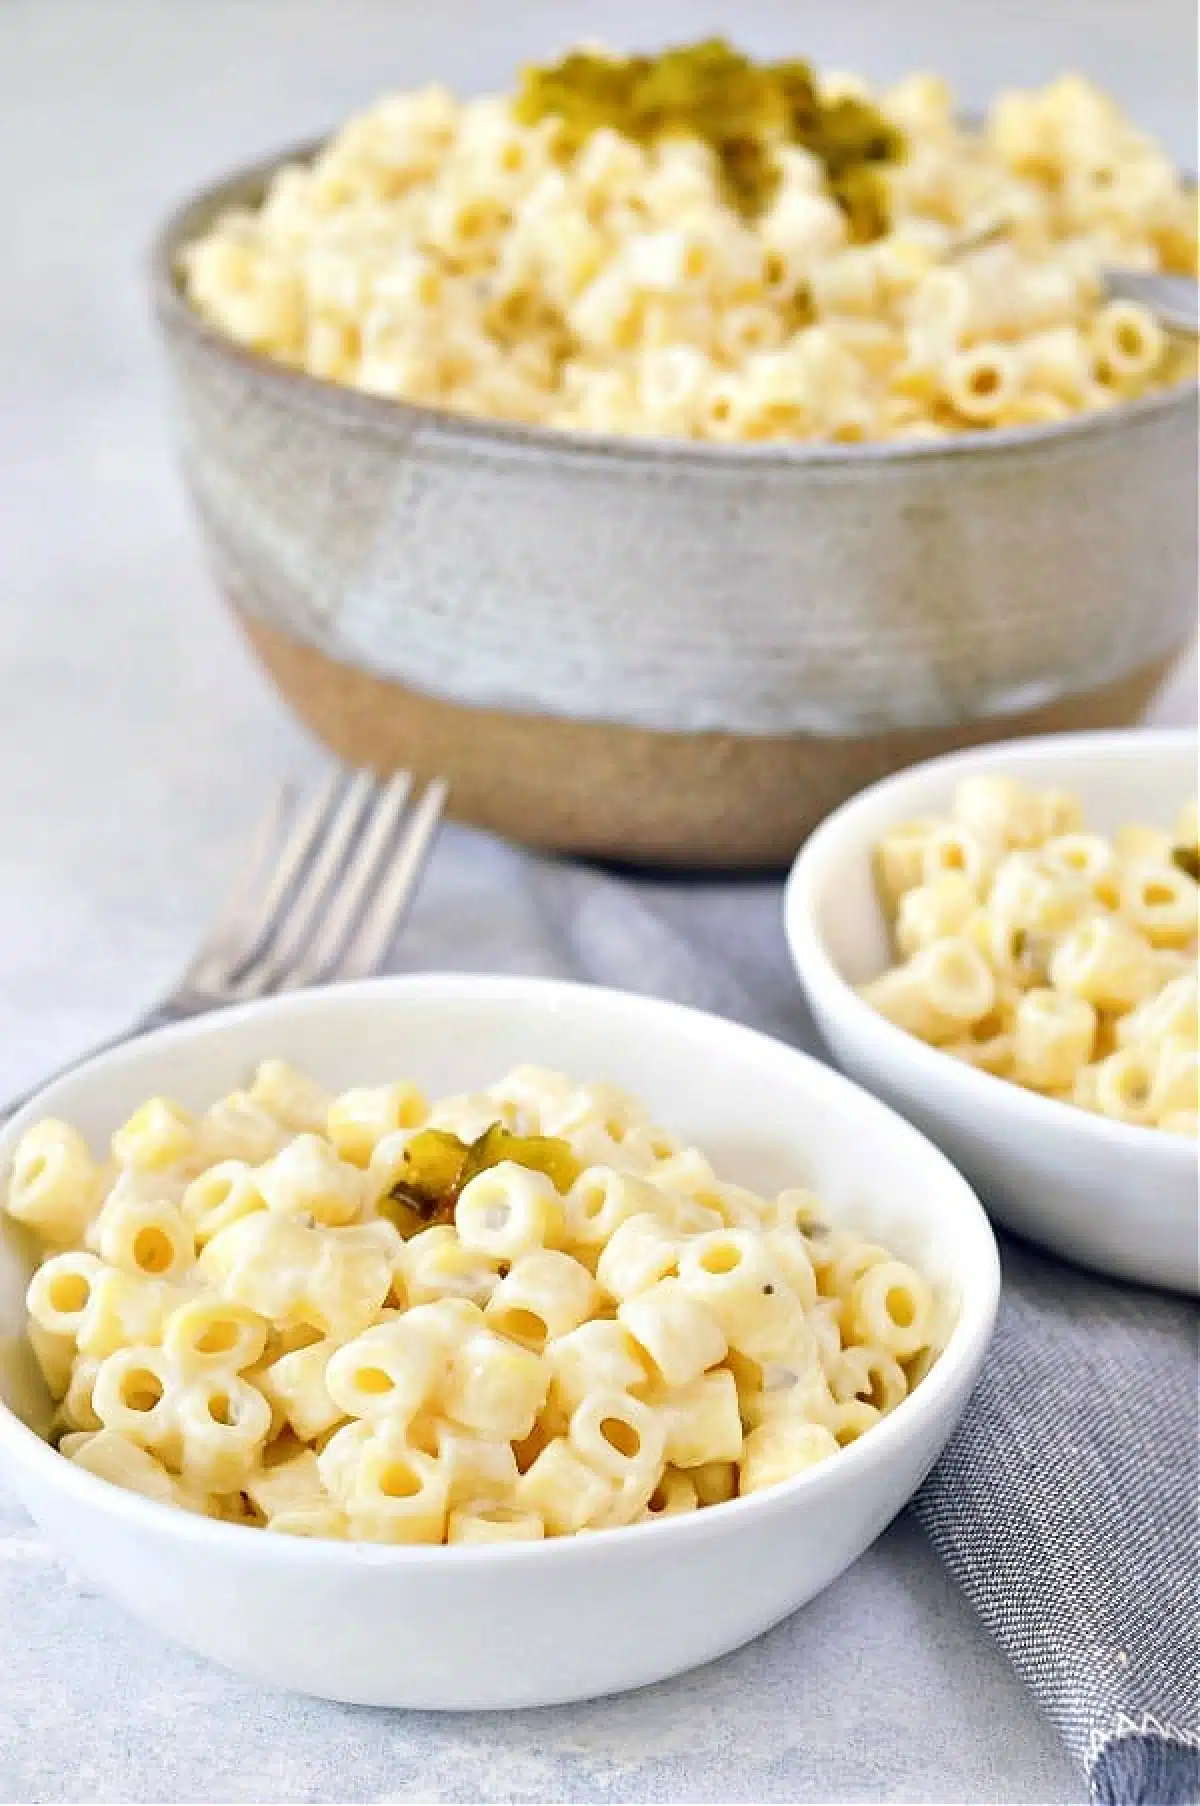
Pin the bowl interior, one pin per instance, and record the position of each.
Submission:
(1119, 777)
(766, 1115)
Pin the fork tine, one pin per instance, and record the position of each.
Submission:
(369, 947)
(226, 928)
(317, 878)
(243, 936)
(364, 872)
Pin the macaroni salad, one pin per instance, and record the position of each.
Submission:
(696, 246)
(515, 1314)
(1046, 954)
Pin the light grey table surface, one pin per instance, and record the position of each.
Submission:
(136, 744)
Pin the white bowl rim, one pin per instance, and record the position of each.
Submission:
(965, 1348)
(397, 419)
(985, 1092)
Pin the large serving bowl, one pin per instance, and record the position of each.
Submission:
(1110, 1195)
(517, 1625)
(668, 651)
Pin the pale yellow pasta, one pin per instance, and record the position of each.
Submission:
(224, 1421)
(1123, 1083)
(54, 1185)
(684, 1171)
(121, 1309)
(210, 1332)
(437, 1263)
(487, 1523)
(1106, 960)
(477, 1466)
(850, 1419)
(733, 1275)
(61, 1290)
(308, 1179)
(620, 1436)
(159, 1135)
(775, 1451)
(870, 1373)
(1175, 1090)
(237, 1128)
(890, 1308)
(126, 1463)
(982, 383)
(294, 1386)
(1053, 1035)
(903, 999)
(599, 1355)
(358, 1120)
(288, 1485)
(220, 1195)
(311, 1520)
(146, 1238)
(600, 1200)
(1070, 969)
(136, 1394)
(1127, 344)
(315, 1343)
(445, 252)
(955, 978)
(387, 1372)
(545, 1294)
(931, 912)
(76, 1409)
(507, 1212)
(397, 1494)
(703, 1420)
(562, 1489)
(294, 1100)
(640, 1252)
(674, 1493)
(495, 1386)
(1161, 902)
(900, 859)
(1173, 1011)
(679, 1335)
(55, 1354)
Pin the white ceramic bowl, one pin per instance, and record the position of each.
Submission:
(1113, 1197)
(537, 1623)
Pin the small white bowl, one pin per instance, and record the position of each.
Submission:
(1117, 1198)
(532, 1624)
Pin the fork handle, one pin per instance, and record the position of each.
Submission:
(172, 1009)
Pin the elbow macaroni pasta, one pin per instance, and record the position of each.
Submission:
(445, 253)
(259, 1342)
(1047, 955)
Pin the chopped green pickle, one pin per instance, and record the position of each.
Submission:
(1188, 860)
(438, 1165)
(741, 109)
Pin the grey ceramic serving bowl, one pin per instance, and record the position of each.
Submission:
(667, 651)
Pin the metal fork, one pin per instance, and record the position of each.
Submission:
(323, 892)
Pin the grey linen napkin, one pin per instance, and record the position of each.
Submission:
(1066, 1504)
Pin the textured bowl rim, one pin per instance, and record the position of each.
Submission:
(986, 1094)
(402, 420)
(964, 1353)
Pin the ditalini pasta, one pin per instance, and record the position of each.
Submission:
(519, 1313)
(696, 246)
(1046, 954)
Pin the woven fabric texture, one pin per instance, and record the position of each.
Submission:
(1066, 1507)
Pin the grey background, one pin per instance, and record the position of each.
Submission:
(136, 744)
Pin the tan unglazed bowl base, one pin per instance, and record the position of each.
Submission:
(716, 801)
